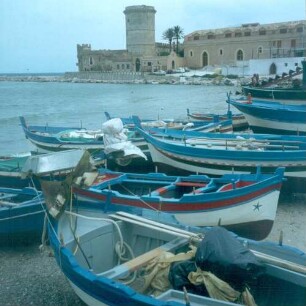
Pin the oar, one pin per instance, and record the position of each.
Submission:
(154, 225)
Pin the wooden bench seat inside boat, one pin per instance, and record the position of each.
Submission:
(235, 184)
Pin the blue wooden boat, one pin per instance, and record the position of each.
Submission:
(21, 215)
(213, 125)
(265, 117)
(243, 203)
(51, 138)
(238, 120)
(107, 259)
(217, 154)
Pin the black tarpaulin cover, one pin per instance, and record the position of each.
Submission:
(223, 255)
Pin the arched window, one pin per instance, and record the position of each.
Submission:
(173, 64)
(272, 69)
(204, 59)
(239, 56)
(191, 53)
(90, 60)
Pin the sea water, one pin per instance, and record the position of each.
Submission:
(84, 104)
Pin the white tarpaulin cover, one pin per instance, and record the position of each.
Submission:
(115, 139)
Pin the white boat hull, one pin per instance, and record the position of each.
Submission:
(253, 211)
(214, 166)
(276, 125)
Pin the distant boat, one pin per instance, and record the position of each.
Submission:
(118, 259)
(293, 94)
(21, 215)
(216, 154)
(277, 94)
(243, 203)
(215, 125)
(266, 117)
(111, 140)
(239, 122)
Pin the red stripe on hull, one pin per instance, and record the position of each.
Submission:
(165, 206)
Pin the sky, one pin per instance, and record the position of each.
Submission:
(40, 36)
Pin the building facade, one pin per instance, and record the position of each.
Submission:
(235, 46)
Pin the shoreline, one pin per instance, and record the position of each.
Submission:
(126, 78)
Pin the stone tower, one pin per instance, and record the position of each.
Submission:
(140, 29)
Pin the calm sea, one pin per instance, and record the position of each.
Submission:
(75, 104)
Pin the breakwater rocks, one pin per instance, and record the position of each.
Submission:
(190, 78)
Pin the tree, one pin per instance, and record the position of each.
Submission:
(168, 35)
(178, 34)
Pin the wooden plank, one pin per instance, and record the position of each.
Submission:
(143, 259)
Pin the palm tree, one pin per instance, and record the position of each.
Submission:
(178, 34)
(168, 35)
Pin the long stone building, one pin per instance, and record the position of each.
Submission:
(231, 46)
(226, 47)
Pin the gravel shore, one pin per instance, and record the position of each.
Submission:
(31, 277)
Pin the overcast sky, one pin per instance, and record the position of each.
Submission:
(41, 35)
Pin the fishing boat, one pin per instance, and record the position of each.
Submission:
(214, 125)
(123, 259)
(239, 121)
(292, 94)
(243, 203)
(216, 154)
(23, 170)
(265, 117)
(110, 140)
(289, 96)
(21, 215)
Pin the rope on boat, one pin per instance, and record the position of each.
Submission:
(120, 246)
(46, 218)
(21, 216)
(144, 202)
